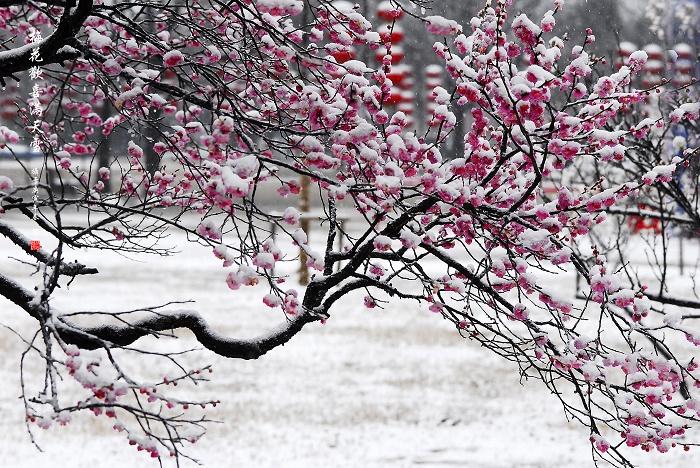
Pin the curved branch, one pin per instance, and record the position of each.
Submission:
(116, 335)
(123, 335)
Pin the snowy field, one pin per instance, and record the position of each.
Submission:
(390, 388)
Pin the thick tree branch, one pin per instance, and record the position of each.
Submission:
(102, 336)
(55, 48)
(67, 269)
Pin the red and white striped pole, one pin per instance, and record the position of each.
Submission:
(683, 65)
(344, 53)
(623, 54)
(400, 74)
(654, 68)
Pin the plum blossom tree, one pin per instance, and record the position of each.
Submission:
(222, 99)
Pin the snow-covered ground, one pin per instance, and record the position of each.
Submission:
(390, 388)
